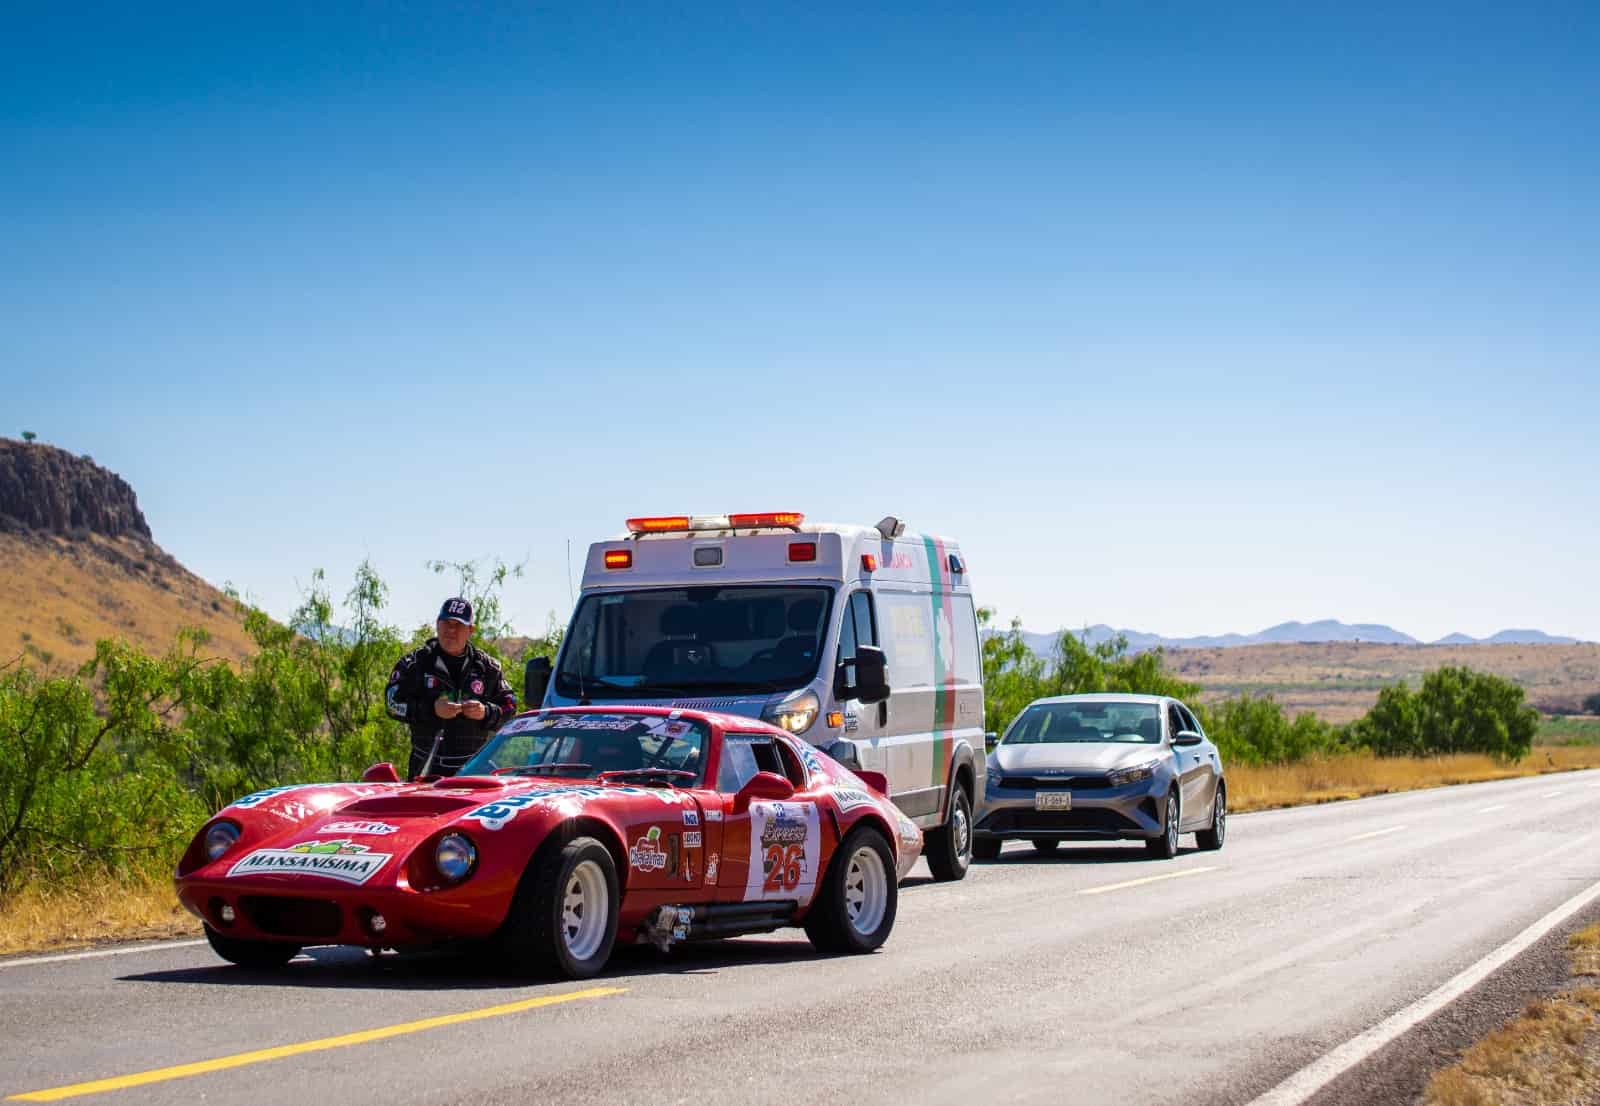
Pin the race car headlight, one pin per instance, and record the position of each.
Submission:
(1137, 773)
(455, 857)
(220, 838)
(795, 714)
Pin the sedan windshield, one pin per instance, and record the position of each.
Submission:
(670, 641)
(583, 745)
(1042, 723)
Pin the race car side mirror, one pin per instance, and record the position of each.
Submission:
(382, 772)
(875, 780)
(535, 679)
(762, 785)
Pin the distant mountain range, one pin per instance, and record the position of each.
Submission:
(1292, 632)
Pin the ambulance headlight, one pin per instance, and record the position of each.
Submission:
(795, 714)
(220, 838)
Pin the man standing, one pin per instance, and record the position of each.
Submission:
(452, 688)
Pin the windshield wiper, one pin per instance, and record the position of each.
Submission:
(541, 769)
(668, 774)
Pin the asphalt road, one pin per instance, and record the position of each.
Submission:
(1070, 979)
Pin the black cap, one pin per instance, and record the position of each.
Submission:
(456, 610)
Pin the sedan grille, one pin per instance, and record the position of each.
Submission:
(1087, 820)
(1055, 783)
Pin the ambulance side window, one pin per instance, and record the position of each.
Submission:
(859, 627)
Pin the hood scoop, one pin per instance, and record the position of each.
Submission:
(410, 806)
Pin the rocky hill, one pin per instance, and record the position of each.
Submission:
(81, 564)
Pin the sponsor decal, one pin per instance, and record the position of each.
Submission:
(256, 797)
(909, 833)
(477, 687)
(375, 829)
(691, 839)
(493, 816)
(342, 860)
(646, 854)
(430, 682)
(527, 725)
(812, 760)
(604, 722)
(712, 863)
(849, 798)
(713, 815)
(691, 818)
(785, 846)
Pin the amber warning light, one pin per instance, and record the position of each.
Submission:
(619, 558)
(789, 520)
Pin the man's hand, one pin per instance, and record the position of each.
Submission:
(444, 708)
(473, 710)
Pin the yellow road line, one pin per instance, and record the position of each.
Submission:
(366, 1036)
(1374, 833)
(1141, 882)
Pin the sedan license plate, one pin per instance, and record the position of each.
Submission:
(1052, 800)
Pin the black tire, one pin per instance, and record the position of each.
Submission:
(540, 937)
(1212, 838)
(1046, 846)
(1165, 847)
(259, 956)
(986, 848)
(949, 848)
(836, 923)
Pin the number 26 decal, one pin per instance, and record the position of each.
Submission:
(784, 867)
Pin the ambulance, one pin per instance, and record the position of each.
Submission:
(862, 640)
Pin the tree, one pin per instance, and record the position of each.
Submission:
(29, 436)
(1457, 710)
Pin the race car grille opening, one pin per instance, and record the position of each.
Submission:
(292, 917)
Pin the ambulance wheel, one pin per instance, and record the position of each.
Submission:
(949, 848)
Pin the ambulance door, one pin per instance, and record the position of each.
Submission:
(916, 771)
(864, 723)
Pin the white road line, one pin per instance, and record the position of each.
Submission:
(25, 961)
(1492, 809)
(1374, 833)
(1310, 1079)
(1142, 882)
(1549, 794)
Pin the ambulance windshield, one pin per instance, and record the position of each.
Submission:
(700, 640)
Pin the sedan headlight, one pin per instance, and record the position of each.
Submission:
(795, 713)
(993, 779)
(1137, 773)
(455, 857)
(220, 838)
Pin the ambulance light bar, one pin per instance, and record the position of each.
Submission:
(670, 524)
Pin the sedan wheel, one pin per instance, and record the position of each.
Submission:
(1165, 847)
(1212, 838)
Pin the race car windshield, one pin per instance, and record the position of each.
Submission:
(671, 641)
(582, 746)
(1050, 723)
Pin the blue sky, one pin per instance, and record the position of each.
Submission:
(1190, 318)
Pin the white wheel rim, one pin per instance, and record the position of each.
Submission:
(1172, 825)
(584, 906)
(866, 891)
(1222, 814)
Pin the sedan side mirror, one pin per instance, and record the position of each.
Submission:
(762, 785)
(1186, 737)
(535, 681)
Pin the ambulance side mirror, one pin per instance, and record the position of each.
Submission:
(872, 674)
(535, 680)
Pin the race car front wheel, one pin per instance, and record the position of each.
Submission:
(563, 920)
(855, 906)
(256, 955)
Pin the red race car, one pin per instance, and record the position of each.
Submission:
(570, 828)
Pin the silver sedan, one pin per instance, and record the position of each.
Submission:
(1097, 767)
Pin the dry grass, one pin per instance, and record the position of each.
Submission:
(51, 918)
(1325, 779)
(1549, 1055)
(1339, 681)
(59, 595)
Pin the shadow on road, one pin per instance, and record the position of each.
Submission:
(458, 969)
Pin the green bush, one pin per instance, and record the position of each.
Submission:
(1456, 710)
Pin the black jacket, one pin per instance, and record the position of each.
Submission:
(421, 678)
